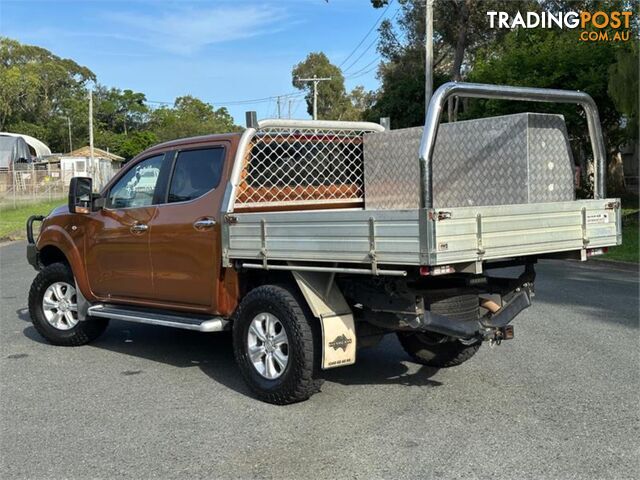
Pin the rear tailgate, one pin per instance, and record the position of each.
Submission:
(465, 234)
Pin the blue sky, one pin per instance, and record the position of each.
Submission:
(217, 50)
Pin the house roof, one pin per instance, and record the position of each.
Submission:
(97, 153)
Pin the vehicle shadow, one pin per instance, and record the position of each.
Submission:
(213, 355)
(383, 365)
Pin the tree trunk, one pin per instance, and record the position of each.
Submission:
(461, 44)
(615, 174)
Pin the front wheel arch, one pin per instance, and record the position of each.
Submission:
(51, 254)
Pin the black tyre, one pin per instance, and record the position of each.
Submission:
(54, 310)
(276, 345)
(437, 350)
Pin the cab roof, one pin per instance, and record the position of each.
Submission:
(198, 140)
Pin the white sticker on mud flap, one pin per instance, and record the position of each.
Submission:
(597, 218)
(338, 341)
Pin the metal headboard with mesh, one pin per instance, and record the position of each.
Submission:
(300, 164)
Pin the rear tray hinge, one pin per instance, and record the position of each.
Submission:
(585, 238)
(372, 246)
(263, 243)
(480, 247)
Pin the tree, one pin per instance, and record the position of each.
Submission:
(623, 87)
(188, 117)
(120, 110)
(361, 101)
(38, 90)
(136, 142)
(460, 30)
(333, 103)
(401, 96)
(45, 96)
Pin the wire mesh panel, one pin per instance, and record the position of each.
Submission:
(302, 166)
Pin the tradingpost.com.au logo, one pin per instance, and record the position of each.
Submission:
(593, 24)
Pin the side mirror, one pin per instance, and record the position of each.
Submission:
(80, 196)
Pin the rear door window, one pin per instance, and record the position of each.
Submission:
(195, 173)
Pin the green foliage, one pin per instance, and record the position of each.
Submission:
(402, 95)
(629, 251)
(38, 87)
(361, 101)
(188, 117)
(460, 30)
(332, 97)
(136, 142)
(334, 103)
(42, 94)
(120, 111)
(623, 86)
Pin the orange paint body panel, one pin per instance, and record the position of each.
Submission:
(171, 265)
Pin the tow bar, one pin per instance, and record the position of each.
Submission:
(493, 327)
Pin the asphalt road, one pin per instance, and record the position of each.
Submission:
(559, 401)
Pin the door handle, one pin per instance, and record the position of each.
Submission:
(204, 224)
(139, 228)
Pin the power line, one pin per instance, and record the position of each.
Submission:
(356, 73)
(365, 51)
(297, 104)
(367, 35)
(363, 73)
(375, 40)
(239, 102)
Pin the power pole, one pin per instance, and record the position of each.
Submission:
(70, 142)
(428, 41)
(315, 81)
(290, 103)
(91, 128)
(278, 102)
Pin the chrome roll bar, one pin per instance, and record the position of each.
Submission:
(501, 92)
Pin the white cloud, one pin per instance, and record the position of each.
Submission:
(185, 31)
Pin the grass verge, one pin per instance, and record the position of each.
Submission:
(629, 251)
(13, 220)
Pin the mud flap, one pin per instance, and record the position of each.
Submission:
(328, 305)
(82, 304)
(338, 341)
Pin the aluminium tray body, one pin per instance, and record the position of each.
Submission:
(415, 237)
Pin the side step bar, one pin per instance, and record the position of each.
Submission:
(199, 324)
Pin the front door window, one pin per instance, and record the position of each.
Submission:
(137, 186)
